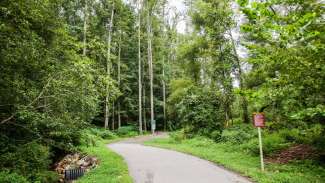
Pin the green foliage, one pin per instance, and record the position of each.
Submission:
(7, 177)
(103, 133)
(46, 176)
(178, 136)
(127, 131)
(271, 143)
(199, 112)
(313, 135)
(238, 134)
(29, 160)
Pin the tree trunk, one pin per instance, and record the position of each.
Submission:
(119, 80)
(144, 98)
(108, 60)
(139, 67)
(149, 32)
(113, 116)
(85, 29)
(164, 95)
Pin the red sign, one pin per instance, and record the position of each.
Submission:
(259, 119)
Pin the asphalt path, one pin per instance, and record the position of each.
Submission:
(155, 165)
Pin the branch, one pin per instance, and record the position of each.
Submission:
(30, 104)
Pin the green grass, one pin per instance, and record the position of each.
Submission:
(231, 157)
(112, 168)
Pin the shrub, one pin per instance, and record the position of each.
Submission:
(271, 144)
(27, 160)
(178, 136)
(200, 112)
(238, 134)
(47, 176)
(308, 135)
(7, 177)
(215, 135)
(200, 141)
(103, 133)
(127, 131)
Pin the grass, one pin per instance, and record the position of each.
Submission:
(231, 157)
(112, 168)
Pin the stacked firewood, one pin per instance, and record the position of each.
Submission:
(75, 161)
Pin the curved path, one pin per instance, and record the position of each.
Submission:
(155, 165)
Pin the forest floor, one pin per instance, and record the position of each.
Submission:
(156, 165)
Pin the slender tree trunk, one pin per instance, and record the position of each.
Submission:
(144, 98)
(149, 32)
(113, 116)
(109, 39)
(119, 80)
(84, 52)
(164, 95)
(244, 102)
(139, 67)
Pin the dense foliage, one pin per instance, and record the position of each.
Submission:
(66, 64)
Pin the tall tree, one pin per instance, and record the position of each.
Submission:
(108, 62)
(139, 67)
(150, 63)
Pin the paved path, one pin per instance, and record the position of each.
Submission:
(155, 165)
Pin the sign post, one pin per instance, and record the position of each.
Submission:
(259, 122)
(153, 126)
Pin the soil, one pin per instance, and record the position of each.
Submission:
(295, 152)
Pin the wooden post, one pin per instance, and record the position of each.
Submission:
(261, 147)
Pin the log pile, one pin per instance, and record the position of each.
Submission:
(75, 161)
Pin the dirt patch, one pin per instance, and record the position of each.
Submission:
(295, 152)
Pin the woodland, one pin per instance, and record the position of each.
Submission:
(124, 68)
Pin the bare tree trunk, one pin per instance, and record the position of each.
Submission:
(144, 99)
(109, 39)
(85, 29)
(119, 80)
(139, 67)
(164, 94)
(152, 117)
(113, 116)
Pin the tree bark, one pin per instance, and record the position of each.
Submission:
(119, 80)
(84, 52)
(149, 32)
(139, 67)
(108, 60)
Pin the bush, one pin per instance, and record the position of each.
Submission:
(47, 176)
(178, 136)
(200, 112)
(309, 135)
(127, 131)
(215, 135)
(7, 177)
(238, 134)
(271, 144)
(27, 160)
(200, 141)
(103, 133)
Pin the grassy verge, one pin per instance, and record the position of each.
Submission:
(231, 157)
(112, 168)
